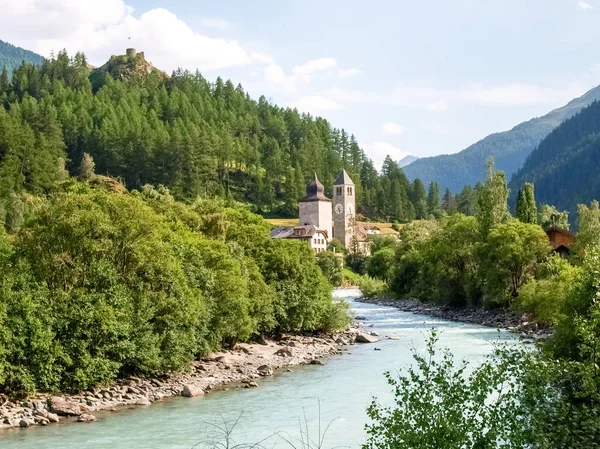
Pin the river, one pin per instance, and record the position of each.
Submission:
(344, 387)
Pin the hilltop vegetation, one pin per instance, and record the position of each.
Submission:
(195, 137)
(509, 149)
(11, 57)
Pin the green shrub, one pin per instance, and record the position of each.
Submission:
(331, 266)
(371, 287)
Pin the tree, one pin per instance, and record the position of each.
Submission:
(449, 202)
(526, 207)
(467, 201)
(433, 199)
(14, 210)
(549, 216)
(419, 199)
(493, 200)
(86, 169)
(438, 404)
(512, 254)
(332, 267)
(588, 227)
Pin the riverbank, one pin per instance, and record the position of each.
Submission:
(242, 367)
(496, 318)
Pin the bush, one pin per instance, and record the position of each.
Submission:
(370, 287)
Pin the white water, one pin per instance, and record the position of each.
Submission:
(344, 386)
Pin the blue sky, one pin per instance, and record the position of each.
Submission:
(425, 78)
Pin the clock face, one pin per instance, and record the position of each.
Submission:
(339, 209)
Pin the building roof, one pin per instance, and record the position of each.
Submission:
(560, 231)
(296, 232)
(315, 191)
(343, 179)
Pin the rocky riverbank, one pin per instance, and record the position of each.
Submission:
(496, 318)
(242, 367)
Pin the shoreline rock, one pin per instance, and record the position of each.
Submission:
(495, 318)
(239, 367)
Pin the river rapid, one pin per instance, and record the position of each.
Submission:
(343, 387)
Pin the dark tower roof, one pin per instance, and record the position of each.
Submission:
(343, 179)
(315, 191)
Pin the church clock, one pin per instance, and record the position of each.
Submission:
(339, 208)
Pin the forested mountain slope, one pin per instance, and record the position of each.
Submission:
(564, 167)
(198, 138)
(509, 149)
(11, 57)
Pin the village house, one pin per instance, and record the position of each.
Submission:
(561, 240)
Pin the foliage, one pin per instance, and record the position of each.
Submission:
(512, 254)
(588, 227)
(550, 216)
(380, 264)
(11, 57)
(351, 277)
(526, 207)
(86, 169)
(440, 405)
(331, 266)
(371, 287)
(544, 296)
(98, 285)
(493, 197)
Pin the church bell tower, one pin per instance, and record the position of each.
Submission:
(315, 208)
(344, 208)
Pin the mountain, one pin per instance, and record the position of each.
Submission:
(406, 160)
(185, 133)
(509, 149)
(11, 56)
(565, 165)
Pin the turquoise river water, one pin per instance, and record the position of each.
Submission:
(343, 387)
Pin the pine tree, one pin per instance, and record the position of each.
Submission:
(433, 199)
(449, 202)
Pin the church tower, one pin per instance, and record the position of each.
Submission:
(344, 207)
(315, 208)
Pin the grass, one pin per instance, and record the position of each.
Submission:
(351, 277)
(386, 228)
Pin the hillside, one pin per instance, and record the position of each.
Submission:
(184, 132)
(509, 149)
(11, 56)
(564, 167)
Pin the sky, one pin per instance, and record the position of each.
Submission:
(404, 77)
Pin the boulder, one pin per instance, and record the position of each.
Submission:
(251, 385)
(284, 352)
(360, 318)
(265, 370)
(24, 423)
(62, 407)
(365, 338)
(143, 401)
(191, 391)
(374, 334)
(52, 417)
(315, 362)
(261, 340)
(86, 417)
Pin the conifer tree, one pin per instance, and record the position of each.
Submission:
(493, 200)
(433, 199)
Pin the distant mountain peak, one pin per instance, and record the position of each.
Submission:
(406, 160)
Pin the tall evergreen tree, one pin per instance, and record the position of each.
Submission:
(493, 200)
(433, 199)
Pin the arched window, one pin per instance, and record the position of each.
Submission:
(349, 191)
(338, 191)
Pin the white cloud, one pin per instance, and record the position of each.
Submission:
(102, 29)
(585, 6)
(314, 65)
(215, 22)
(378, 151)
(393, 128)
(440, 99)
(315, 104)
(347, 73)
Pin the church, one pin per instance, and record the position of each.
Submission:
(321, 219)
